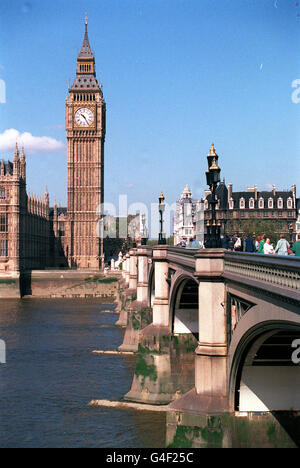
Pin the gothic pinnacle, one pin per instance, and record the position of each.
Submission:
(16, 153)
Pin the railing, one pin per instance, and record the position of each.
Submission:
(279, 274)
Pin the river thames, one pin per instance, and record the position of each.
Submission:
(51, 375)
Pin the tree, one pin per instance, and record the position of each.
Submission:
(255, 227)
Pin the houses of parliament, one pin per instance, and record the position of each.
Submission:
(35, 236)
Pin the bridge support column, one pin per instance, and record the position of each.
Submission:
(138, 315)
(127, 293)
(124, 268)
(161, 299)
(142, 280)
(210, 394)
(127, 271)
(133, 269)
(211, 353)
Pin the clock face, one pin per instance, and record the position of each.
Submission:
(84, 117)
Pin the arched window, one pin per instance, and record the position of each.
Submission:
(251, 203)
(261, 203)
(242, 203)
(289, 203)
(2, 193)
(270, 203)
(280, 203)
(231, 204)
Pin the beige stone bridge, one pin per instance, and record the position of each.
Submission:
(241, 311)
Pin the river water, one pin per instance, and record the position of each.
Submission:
(50, 377)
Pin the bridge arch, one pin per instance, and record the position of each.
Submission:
(184, 300)
(262, 375)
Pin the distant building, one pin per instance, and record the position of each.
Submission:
(233, 208)
(184, 217)
(188, 218)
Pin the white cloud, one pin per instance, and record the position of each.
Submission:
(32, 144)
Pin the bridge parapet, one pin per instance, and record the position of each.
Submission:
(276, 274)
(184, 258)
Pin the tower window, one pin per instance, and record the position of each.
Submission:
(4, 248)
(2, 194)
(3, 223)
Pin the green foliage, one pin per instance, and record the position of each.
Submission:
(136, 324)
(183, 438)
(102, 280)
(255, 227)
(169, 241)
(7, 281)
(145, 370)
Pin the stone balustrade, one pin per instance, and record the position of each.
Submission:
(276, 274)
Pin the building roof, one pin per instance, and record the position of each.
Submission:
(86, 51)
(60, 211)
(85, 82)
(264, 194)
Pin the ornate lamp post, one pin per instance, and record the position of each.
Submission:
(161, 209)
(213, 240)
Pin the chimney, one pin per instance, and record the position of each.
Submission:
(229, 191)
(255, 192)
(274, 190)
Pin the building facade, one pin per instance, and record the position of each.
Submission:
(24, 220)
(188, 218)
(235, 208)
(85, 127)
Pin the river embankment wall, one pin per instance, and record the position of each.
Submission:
(60, 284)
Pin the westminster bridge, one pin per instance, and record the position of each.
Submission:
(238, 316)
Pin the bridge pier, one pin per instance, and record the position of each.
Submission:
(127, 270)
(129, 290)
(136, 311)
(143, 275)
(165, 363)
(211, 394)
(161, 299)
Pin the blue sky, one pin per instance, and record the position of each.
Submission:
(177, 75)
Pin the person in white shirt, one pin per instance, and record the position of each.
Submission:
(268, 247)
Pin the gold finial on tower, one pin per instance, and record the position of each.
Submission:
(86, 19)
(212, 150)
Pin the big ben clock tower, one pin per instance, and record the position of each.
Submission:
(85, 127)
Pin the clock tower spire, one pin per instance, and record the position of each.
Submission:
(85, 128)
